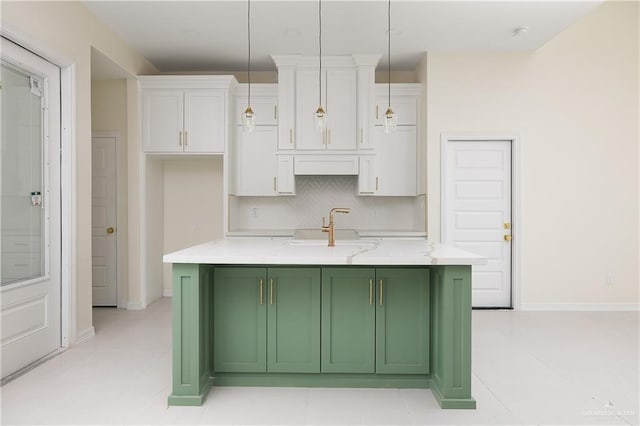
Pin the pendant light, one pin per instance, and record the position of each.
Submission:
(248, 117)
(320, 115)
(390, 119)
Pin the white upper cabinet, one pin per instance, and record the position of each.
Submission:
(339, 88)
(162, 120)
(185, 114)
(404, 102)
(264, 102)
(255, 167)
(396, 161)
(348, 94)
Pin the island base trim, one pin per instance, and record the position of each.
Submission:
(451, 403)
(322, 380)
(190, 400)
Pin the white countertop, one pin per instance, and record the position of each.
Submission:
(284, 251)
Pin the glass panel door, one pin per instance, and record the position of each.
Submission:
(22, 189)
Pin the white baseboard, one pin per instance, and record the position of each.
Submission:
(85, 335)
(619, 307)
(167, 292)
(134, 306)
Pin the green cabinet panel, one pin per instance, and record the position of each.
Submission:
(293, 318)
(402, 321)
(239, 320)
(348, 320)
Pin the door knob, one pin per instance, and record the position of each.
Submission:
(111, 230)
(507, 237)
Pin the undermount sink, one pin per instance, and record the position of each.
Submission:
(344, 237)
(317, 234)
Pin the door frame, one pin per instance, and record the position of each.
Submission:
(120, 214)
(516, 219)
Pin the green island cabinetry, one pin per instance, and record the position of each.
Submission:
(328, 326)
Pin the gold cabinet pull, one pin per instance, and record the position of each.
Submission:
(290, 136)
(361, 135)
(381, 292)
(328, 136)
(376, 112)
(376, 183)
(508, 237)
(274, 183)
(179, 138)
(275, 112)
(371, 292)
(185, 138)
(271, 291)
(261, 291)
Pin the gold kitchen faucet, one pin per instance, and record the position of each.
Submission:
(331, 228)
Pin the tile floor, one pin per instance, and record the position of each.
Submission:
(528, 368)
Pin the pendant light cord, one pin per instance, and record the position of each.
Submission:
(389, 51)
(249, 51)
(320, 49)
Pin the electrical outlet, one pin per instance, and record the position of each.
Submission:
(253, 212)
(610, 278)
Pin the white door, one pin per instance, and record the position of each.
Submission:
(104, 229)
(477, 214)
(29, 208)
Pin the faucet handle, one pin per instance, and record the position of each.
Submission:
(325, 228)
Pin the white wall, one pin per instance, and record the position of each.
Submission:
(196, 183)
(574, 105)
(65, 32)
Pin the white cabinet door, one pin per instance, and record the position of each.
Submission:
(396, 158)
(204, 116)
(286, 179)
(341, 109)
(256, 168)
(367, 175)
(307, 137)
(265, 109)
(405, 108)
(162, 120)
(286, 108)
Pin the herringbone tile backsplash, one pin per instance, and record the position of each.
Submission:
(315, 196)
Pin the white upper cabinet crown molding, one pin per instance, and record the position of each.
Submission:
(187, 82)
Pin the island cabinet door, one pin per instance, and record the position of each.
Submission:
(348, 320)
(239, 319)
(293, 318)
(402, 321)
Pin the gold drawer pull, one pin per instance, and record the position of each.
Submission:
(261, 291)
(271, 291)
(179, 138)
(291, 136)
(381, 293)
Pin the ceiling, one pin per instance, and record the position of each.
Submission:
(182, 36)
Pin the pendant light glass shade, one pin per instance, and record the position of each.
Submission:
(390, 121)
(390, 118)
(248, 120)
(248, 116)
(320, 114)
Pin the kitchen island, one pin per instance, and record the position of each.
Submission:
(281, 312)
